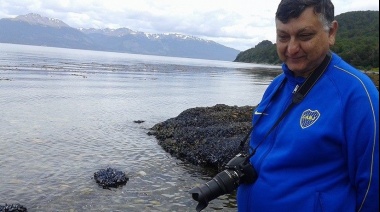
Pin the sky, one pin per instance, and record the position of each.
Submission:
(239, 24)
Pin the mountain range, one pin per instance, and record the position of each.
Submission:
(34, 29)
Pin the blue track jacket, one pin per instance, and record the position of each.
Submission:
(324, 155)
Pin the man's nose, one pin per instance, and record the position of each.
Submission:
(293, 46)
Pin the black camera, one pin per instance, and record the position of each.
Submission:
(238, 171)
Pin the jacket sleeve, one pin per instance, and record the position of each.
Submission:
(362, 140)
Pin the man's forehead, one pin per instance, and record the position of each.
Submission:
(307, 19)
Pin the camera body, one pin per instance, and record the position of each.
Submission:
(238, 171)
(240, 164)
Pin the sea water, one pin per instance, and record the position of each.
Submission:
(66, 113)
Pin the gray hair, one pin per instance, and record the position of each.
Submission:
(288, 9)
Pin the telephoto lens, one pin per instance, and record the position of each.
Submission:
(238, 170)
(223, 183)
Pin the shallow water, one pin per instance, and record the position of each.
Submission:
(65, 113)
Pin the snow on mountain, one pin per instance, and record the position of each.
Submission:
(126, 31)
(109, 32)
(33, 18)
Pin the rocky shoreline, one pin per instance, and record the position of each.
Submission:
(205, 136)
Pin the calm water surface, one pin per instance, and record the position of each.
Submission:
(65, 114)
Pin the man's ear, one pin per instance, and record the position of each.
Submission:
(332, 32)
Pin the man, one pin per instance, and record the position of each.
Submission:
(323, 154)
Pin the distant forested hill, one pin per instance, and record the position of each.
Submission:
(357, 42)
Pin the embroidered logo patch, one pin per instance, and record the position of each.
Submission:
(308, 118)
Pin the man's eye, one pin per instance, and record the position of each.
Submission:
(282, 38)
(305, 36)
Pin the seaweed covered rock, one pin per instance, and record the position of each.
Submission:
(12, 208)
(206, 136)
(110, 177)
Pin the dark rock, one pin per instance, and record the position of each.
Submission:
(110, 177)
(12, 208)
(205, 136)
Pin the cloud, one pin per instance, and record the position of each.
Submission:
(240, 24)
(354, 5)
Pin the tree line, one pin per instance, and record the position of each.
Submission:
(357, 42)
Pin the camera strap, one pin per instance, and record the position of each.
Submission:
(298, 95)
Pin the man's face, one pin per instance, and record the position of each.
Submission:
(302, 43)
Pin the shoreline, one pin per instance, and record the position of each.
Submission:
(205, 136)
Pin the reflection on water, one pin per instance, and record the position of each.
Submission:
(64, 114)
